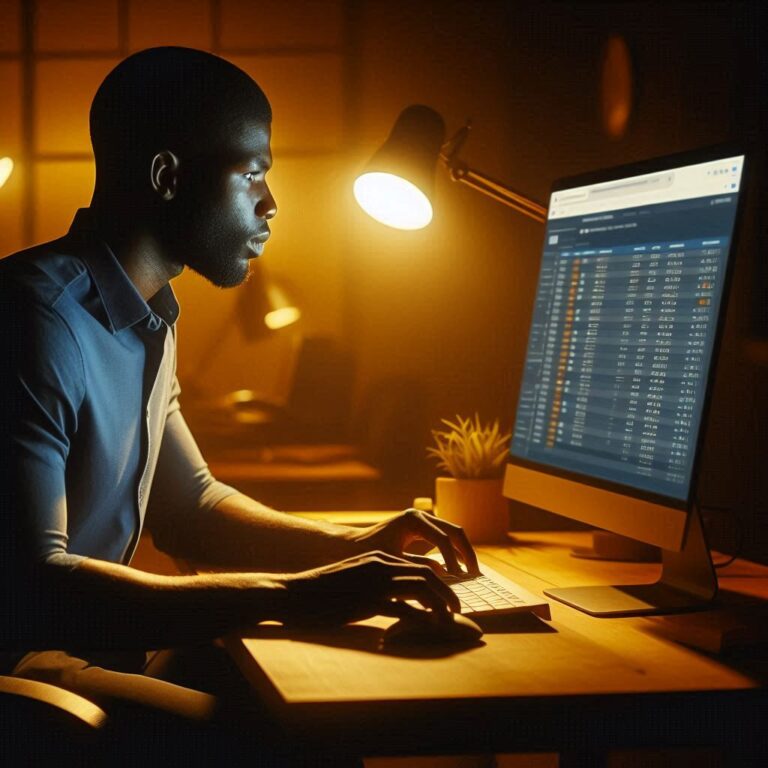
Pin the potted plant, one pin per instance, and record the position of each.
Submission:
(473, 454)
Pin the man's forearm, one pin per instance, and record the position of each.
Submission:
(92, 604)
(243, 534)
(98, 604)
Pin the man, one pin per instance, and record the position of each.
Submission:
(94, 445)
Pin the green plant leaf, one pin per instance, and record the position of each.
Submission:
(468, 448)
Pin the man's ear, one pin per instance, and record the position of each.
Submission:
(165, 174)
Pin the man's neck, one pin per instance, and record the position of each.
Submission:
(137, 249)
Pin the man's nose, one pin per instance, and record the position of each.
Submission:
(266, 208)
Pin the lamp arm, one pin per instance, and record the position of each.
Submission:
(495, 189)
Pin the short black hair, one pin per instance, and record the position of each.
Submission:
(166, 98)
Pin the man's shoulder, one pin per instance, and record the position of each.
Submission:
(38, 278)
(43, 272)
(35, 308)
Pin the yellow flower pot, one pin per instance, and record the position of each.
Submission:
(478, 506)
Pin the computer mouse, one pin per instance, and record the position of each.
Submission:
(429, 628)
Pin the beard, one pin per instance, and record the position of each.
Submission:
(226, 266)
(215, 249)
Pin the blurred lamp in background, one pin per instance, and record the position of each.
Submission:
(282, 313)
(263, 305)
(397, 184)
(262, 321)
(260, 310)
(6, 169)
(263, 310)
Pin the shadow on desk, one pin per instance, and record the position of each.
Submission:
(358, 637)
(514, 623)
(367, 637)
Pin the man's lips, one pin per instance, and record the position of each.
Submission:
(256, 243)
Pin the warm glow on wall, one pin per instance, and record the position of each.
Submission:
(616, 87)
(393, 201)
(6, 169)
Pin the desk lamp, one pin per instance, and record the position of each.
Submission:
(397, 184)
(6, 169)
(261, 310)
(263, 306)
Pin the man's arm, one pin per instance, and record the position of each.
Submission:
(51, 598)
(238, 532)
(96, 604)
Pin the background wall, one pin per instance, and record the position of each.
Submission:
(529, 74)
(54, 54)
(446, 308)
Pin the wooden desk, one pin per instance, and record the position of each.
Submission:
(577, 685)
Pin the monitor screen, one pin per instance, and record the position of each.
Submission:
(624, 324)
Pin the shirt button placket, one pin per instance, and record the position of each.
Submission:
(142, 481)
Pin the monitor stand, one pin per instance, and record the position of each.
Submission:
(688, 581)
(613, 546)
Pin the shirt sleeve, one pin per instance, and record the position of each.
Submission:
(183, 485)
(41, 390)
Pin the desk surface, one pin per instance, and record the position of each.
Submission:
(531, 685)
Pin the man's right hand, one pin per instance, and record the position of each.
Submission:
(361, 587)
(110, 605)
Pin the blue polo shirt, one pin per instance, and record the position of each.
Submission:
(92, 440)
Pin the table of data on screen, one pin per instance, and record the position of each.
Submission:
(617, 353)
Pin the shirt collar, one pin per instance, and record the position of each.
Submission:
(122, 301)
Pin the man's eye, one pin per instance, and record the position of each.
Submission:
(251, 175)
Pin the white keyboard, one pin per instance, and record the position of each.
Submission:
(494, 594)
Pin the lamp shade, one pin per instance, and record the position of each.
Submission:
(397, 184)
(281, 312)
(263, 305)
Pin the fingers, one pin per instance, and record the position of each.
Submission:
(448, 538)
(430, 562)
(461, 543)
(433, 587)
(400, 610)
(373, 555)
(381, 572)
(441, 540)
(416, 588)
(396, 534)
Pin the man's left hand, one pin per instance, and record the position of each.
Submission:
(394, 536)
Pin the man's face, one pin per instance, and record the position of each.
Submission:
(223, 205)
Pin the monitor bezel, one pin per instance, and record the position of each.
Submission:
(615, 173)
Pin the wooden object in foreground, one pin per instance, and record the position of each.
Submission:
(577, 685)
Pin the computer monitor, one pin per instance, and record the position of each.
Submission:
(612, 406)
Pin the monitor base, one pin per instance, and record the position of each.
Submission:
(688, 581)
(613, 546)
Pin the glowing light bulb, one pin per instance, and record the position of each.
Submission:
(6, 169)
(279, 318)
(393, 201)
